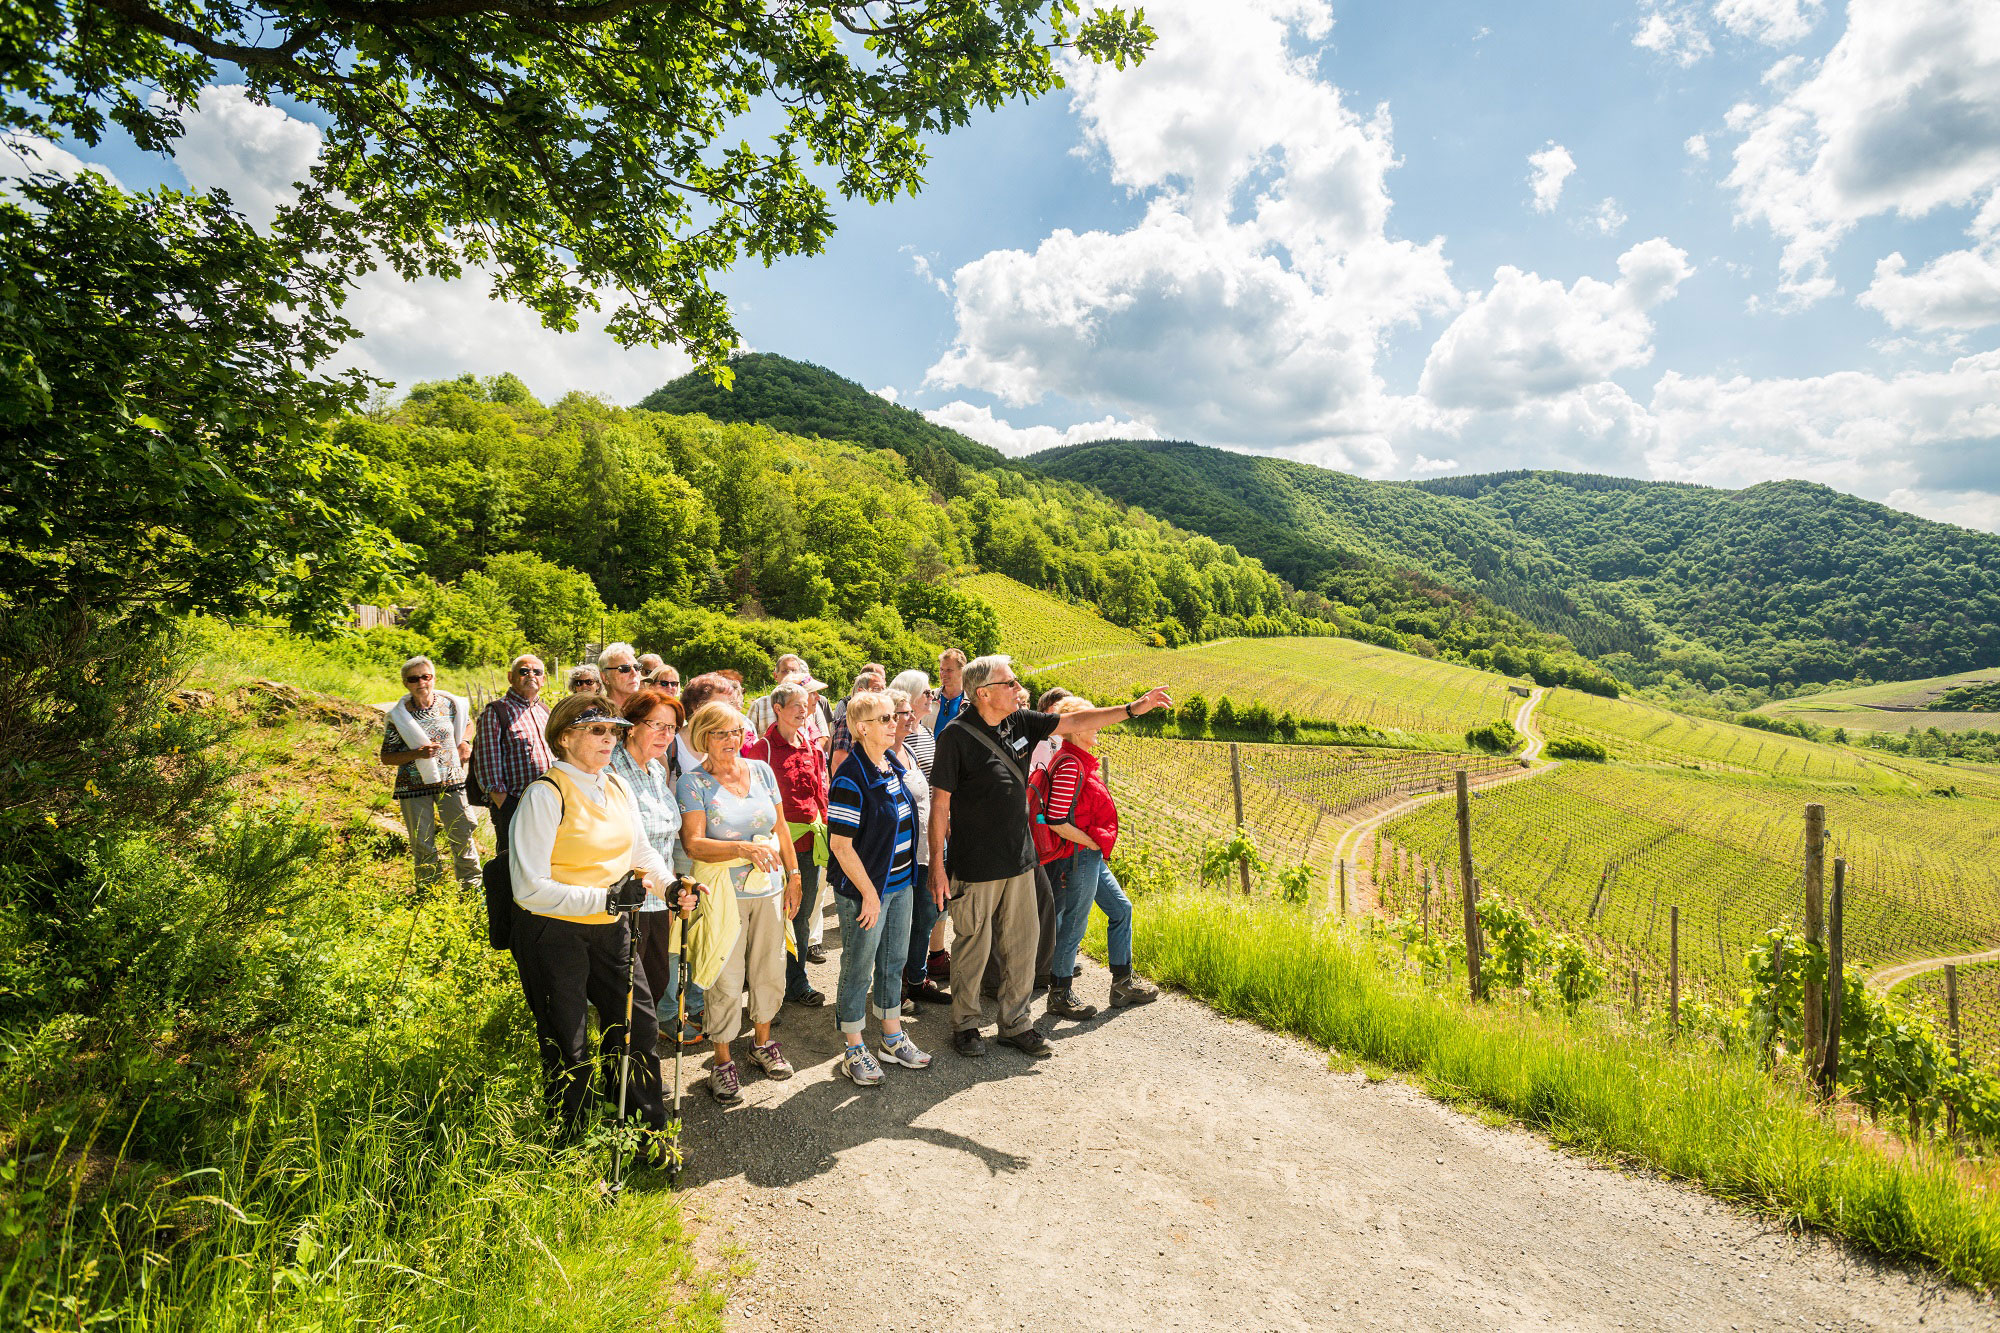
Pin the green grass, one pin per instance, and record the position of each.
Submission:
(1895, 704)
(1419, 701)
(1603, 851)
(1039, 630)
(227, 656)
(1647, 734)
(1590, 1082)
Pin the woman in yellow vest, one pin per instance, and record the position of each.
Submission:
(575, 834)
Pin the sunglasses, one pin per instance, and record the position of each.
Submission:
(905, 713)
(531, 671)
(411, 680)
(597, 729)
(624, 669)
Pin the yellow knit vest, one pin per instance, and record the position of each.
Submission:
(593, 847)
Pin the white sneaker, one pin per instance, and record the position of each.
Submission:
(860, 1066)
(900, 1050)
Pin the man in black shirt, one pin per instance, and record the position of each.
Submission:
(980, 834)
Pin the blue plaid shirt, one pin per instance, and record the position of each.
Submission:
(659, 812)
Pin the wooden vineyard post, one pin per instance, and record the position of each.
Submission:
(1951, 1022)
(1343, 890)
(1236, 788)
(1812, 1000)
(1104, 772)
(1427, 906)
(1470, 889)
(1635, 992)
(1836, 981)
(1674, 970)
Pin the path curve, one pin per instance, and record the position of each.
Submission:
(1349, 845)
(1885, 979)
(1172, 1169)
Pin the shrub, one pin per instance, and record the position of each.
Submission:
(1576, 747)
(1288, 726)
(1258, 719)
(557, 608)
(1219, 859)
(1295, 885)
(1192, 715)
(471, 622)
(1494, 738)
(1224, 715)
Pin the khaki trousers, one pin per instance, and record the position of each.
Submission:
(756, 964)
(422, 815)
(996, 917)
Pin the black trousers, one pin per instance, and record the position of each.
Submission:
(566, 969)
(1045, 944)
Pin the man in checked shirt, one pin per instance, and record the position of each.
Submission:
(509, 750)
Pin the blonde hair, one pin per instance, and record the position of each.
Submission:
(1074, 703)
(865, 704)
(713, 716)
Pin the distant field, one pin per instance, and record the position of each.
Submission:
(1037, 629)
(1334, 680)
(1175, 795)
(1648, 734)
(1978, 1008)
(1893, 706)
(1604, 851)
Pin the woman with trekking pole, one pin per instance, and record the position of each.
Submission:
(580, 862)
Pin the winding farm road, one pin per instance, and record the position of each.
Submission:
(1887, 978)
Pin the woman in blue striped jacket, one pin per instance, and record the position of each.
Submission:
(871, 823)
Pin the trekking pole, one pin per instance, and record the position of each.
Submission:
(680, 1026)
(617, 1182)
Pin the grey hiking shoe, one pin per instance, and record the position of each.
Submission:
(1129, 991)
(859, 1065)
(725, 1085)
(1028, 1042)
(1064, 1004)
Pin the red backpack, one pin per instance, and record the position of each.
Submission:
(1049, 845)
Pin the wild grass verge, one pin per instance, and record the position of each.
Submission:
(1697, 1114)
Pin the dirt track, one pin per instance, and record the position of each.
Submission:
(1169, 1168)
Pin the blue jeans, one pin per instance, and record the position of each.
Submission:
(796, 984)
(1080, 879)
(876, 954)
(923, 915)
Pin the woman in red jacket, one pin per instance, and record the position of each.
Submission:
(1077, 807)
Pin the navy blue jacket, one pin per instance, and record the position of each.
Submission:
(861, 806)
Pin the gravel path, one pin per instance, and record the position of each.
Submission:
(1172, 1169)
(1888, 977)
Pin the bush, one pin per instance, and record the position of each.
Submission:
(1192, 715)
(1258, 719)
(1494, 738)
(471, 622)
(1224, 716)
(1576, 747)
(557, 608)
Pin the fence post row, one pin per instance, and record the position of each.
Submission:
(1471, 889)
(1236, 787)
(1836, 982)
(1674, 968)
(1813, 1000)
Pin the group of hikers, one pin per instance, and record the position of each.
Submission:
(964, 837)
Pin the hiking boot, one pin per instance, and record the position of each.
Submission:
(811, 999)
(967, 1041)
(930, 993)
(908, 1011)
(771, 1060)
(898, 1049)
(860, 1066)
(725, 1085)
(1029, 1042)
(1129, 991)
(1064, 1004)
(937, 966)
(815, 953)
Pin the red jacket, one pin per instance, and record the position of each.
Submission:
(802, 782)
(1077, 795)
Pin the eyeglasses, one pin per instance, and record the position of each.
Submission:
(735, 735)
(622, 669)
(411, 680)
(905, 713)
(668, 727)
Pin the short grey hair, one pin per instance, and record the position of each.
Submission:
(418, 660)
(619, 649)
(981, 670)
(515, 665)
(861, 681)
(912, 682)
(796, 663)
(788, 694)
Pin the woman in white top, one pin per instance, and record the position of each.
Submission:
(575, 836)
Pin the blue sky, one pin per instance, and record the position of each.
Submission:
(1320, 229)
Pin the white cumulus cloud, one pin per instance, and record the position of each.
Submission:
(1902, 116)
(1959, 290)
(1673, 31)
(1547, 170)
(980, 424)
(1607, 217)
(1697, 147)
(1530, 337)
(1772, 22)
(1248, 303)
(25, 155)
(257, 153)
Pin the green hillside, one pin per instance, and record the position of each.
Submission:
(1962, 701)
(1778, 583)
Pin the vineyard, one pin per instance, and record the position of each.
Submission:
(1978, 1007)
(1604, 852)
(1038, 629)
(1426, 703)
(1646, 734)
(1891, 706)
(1175, 796)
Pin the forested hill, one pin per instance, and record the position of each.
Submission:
(1781, 582)
(803, 399)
